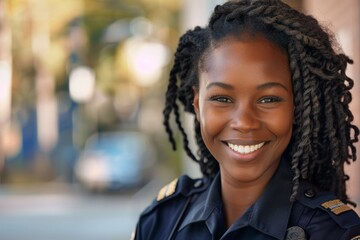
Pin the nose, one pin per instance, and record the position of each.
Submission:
(245, 119)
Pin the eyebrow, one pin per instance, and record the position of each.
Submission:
(271, 85)
(260, 87)
(219, 84)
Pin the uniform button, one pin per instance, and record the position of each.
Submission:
(294, 233)
(198, 183)
(309, 193)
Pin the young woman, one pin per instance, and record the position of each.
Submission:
(273, 126)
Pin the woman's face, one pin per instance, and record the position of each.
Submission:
(245, 107)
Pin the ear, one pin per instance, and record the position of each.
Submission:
(196, 103)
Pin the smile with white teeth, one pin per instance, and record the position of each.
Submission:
(245, 149)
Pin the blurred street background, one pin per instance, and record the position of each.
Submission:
(82, 147)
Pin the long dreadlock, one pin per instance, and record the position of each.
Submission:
(323, 134)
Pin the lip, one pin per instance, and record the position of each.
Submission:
(244, 142)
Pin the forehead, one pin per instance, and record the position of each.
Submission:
(249, 57)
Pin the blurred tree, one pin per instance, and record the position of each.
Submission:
(101, 28)
(95, 17)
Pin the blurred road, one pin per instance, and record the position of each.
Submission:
(58, 212)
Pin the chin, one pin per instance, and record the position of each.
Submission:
(242, 176)
(250, 174)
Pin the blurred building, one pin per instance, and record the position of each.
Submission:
(343, 18)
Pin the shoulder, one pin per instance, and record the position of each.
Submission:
(176, 191)
(162, 214)
(323, 214)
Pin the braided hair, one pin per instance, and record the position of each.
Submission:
(323, 134)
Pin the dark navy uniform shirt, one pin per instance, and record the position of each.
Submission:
(193, 209)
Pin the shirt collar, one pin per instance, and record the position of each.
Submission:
(205, 205)
(269, 214)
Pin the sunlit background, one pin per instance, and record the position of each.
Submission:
(82, 147)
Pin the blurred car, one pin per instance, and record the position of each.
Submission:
(115, 161)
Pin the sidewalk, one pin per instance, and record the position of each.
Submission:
(55, 211)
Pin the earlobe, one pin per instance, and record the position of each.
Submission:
(196, 103)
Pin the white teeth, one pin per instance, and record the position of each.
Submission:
(245, 149)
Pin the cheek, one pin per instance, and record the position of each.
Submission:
(210, 122)
(281, 124)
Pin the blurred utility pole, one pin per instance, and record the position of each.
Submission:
(5, 79)
(46, 106)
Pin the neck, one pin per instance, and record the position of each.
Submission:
(237, 198)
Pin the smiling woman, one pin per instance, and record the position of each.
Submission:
(248, 84)
(271, 103)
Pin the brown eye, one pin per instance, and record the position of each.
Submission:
(271, 99)
(221, 99)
